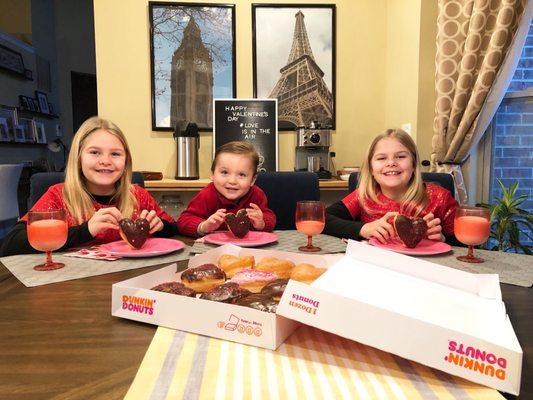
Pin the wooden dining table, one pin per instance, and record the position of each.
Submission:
(59, 341)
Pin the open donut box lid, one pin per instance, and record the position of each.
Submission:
(441, 317)
(444, 318)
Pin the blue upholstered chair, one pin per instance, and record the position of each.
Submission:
(439, 178)
(9, 206)
(284, 189)
(41, 181)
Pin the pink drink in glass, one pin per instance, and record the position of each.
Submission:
(47, 234)
(47, 231)
(471, 227)
(310, 220)
(310, 228)
(472, 230)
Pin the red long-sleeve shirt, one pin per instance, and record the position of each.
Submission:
(441, 204)
(209, 200)
(53, 199)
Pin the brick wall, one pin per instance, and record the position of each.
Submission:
(512, 141)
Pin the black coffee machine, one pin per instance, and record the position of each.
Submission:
(312, 150)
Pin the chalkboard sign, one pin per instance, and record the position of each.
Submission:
(253, 121)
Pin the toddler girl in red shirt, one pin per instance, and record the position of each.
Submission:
(233, 174)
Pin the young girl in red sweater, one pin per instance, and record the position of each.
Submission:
(391, 183)
(97, 192)
(233, 175)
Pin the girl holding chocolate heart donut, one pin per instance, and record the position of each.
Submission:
(232, 189)
(97, 193)
(390, 184)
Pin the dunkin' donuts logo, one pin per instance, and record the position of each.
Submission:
(241, 325)
(140, 305)
(304, 303)
(477, 360)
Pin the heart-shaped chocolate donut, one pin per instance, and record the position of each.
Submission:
(410, 230)
(134, 233)
(238, 224)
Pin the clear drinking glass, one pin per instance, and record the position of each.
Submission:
(310, 220)
(47, 231)
(472, 227)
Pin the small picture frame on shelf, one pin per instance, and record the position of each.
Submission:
(28, 126)
(24, 103)
(42, 99)
(28, 74)
(50, 108)
(19, 134)
(40, 133)
(11, 115)
(35, 104)
(4, 131)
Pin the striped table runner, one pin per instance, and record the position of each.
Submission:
(311, 364)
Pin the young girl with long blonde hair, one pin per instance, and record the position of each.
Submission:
(391, 183)
(97, 192)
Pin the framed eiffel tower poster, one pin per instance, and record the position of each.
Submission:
(294, 61)
(192, 49)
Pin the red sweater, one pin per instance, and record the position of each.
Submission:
(53, 199)
(209, 200)
(441, 204)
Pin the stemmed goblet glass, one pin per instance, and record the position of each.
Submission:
(47, 231)
(471, 227)
(310, 220)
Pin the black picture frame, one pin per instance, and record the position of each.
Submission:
(29, 130)
(12, 61)
(35, 104)
(184, 86)
(24, 103)
(42, 100)
(5, 135)
(11, 115)
(275, 67)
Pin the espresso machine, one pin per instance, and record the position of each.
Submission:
(312, 150)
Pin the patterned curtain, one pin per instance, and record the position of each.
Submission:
(473, 39)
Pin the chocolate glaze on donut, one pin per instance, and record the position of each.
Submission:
(202, 272)
(275, 288)
(259, 302)
(228, 292)
(175, 288)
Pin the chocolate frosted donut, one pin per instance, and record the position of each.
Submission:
(259, 302)
(203, 278)
(275, 288)
(229, 292)
(175, 288)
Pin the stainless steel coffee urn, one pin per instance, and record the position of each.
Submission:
(188, 144)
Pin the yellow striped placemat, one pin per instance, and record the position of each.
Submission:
(311, 364)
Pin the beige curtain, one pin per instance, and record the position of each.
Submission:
(474, 37)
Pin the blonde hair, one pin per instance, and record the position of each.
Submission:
(77, 198)
(238, 147)
(415, 198)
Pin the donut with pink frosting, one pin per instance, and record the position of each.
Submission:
(253, 280)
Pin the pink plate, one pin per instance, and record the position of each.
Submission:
(152, 247)
(424, 248)
(252, 239)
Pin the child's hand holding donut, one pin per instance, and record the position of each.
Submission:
(213, 222)
(381, 228)
(434, 228)
(103, 219)
(256, 217)
(155, 222)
